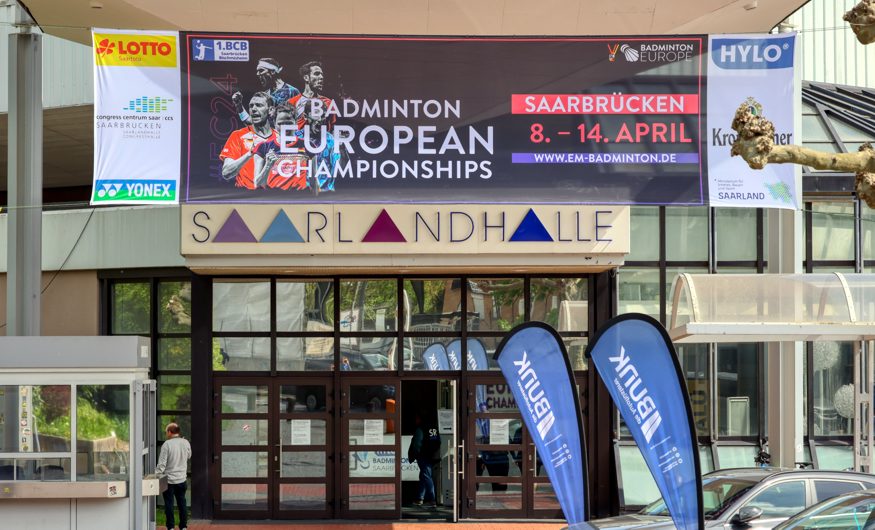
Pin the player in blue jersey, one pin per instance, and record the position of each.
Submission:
(268, 73)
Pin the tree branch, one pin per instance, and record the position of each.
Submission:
(756, 145)
(862, 21)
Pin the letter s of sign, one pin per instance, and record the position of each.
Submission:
(194, 220)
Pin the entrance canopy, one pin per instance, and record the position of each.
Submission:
(772, 307)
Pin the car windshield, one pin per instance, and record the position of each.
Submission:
(719, 493)
(856, 511)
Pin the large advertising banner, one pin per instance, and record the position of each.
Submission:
(534, 362)
(758, 67)
(637, 363)
(310, 119)
(137, 122)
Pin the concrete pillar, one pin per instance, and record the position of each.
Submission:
(25, 178)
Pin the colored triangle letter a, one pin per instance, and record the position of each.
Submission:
(384, 230)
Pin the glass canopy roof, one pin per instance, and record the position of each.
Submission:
(772, 307)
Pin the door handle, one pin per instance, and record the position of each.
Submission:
(461, 449)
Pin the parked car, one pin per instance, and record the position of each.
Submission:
(851, 510)
(751, 498)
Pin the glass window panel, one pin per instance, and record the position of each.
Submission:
(303, 497)
(827, 489)
(244, 432)
(494, 304)
(499, 496)
(302, 398)
(371, 464)
(184, 422)
(835, 457)
(38, 418)
(781, 500)
(833, 385)
(495, 398)
(639, 291)
(686, 230)
(371, 432)
(417, 346)
(736, 456)
(174, 392)
(304, 464)
(242, 354)
(829, 147)
(244, 497)
(645, 234)
(371, 398)
(545, 497)
(849, 133)
(736, 233)
(576, 348)
(316, 429)
(174, 354)
(738, 392)
(244, 464)
(305, 305)
(706, 459)
(368, 354)
(244, 399)
(868, 227)
(489, 344)
(368, 305)
(174, 307)
(36, 469)
(102, 431)
(130, 308)
(560, 302)
(814, 130)
(241, 306)
(694, 362)
(832, 232)
(433, 305)
(369, 497)
(305, 353)
(638, 485)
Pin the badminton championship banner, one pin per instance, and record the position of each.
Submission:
(314, 119)
(255, 118)
(137, 117)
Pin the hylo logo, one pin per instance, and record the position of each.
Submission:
(754, 54)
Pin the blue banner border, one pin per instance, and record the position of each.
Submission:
(683, 381)
(544, 326)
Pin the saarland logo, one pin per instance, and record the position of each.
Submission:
(135, 50)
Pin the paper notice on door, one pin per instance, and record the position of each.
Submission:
(374, 432)
(445, 421)
(300, 432)
(499, 432)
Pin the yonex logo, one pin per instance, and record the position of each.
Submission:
(105, 47)
(109, 190)
(134, 190)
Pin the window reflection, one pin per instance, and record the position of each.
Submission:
(495, 304)
(560, 302)
(368, 305)
(102, 431)
(738, 393)
(434, 305)
(241, 306)
(833, 384)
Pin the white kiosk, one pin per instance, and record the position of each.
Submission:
(77, 433)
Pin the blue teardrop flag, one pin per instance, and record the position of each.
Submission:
(636, 360)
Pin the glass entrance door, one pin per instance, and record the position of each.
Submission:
(504, 474)
(273, 445)
(370, 448)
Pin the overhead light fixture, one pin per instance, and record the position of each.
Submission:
(751, 5)
(95, 4)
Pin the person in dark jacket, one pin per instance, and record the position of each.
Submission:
(425, 449)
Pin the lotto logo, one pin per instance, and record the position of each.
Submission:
(135, 50)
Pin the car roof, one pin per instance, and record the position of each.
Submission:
(760, 473)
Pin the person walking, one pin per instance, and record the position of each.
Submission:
(425, 448)
(173, 462)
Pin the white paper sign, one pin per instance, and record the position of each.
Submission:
(445, 421)
(300, 432)
(374, 432)
(499, 432)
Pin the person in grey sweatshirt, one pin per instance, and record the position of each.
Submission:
(173, 462)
